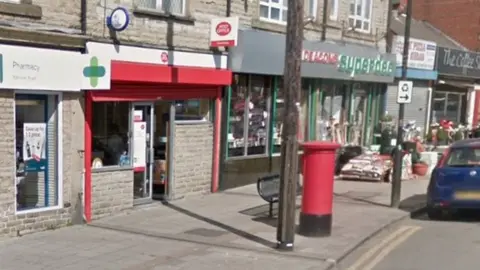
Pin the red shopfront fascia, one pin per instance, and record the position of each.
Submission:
(132, 81)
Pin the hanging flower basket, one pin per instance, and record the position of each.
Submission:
(420, 168)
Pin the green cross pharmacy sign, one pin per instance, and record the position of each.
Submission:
(94, 71)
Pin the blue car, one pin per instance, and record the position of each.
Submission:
(455, 181)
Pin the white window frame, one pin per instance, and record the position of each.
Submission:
(312, 10)
(59, 111)
(334, 11)
(361, 17)
(270, 4)
(159, 6)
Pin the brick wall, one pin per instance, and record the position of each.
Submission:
(248, 13)
(193, 35)
(11, 224)
(190, 34)
(112, 192)
(193, 156)
(60, 13)
(457, 19)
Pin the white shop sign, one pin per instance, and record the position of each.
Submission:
(421, 54)
(156, 56)
(29, 68)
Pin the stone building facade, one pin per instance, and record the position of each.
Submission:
(29, 26)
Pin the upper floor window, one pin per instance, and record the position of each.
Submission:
(276, 10)
(176, 7)
(360, 15)
(333, 4)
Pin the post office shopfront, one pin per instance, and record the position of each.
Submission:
(40, 127)
(150, 134)
(341, 84)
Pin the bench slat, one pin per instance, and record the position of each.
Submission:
(268, 187)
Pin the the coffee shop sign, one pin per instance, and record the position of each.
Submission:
(350, 64)
(457, 62)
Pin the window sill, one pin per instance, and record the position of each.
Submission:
(192, 122)
(38, 210)
(267, 25)
(162, 15)
(247, 157)
(112, 169)
(23, 9)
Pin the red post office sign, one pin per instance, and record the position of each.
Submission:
(224, 32)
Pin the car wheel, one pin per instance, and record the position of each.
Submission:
(435, 214)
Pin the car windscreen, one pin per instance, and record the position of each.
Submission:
(463, 157)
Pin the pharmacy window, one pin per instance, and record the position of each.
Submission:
(110, 134)
(36, 142)
(192, 110)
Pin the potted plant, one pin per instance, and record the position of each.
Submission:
(386, 121)
(420, 168)
(442, 136)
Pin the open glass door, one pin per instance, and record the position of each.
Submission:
(142, 149)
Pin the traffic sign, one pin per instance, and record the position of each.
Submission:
(405, 91)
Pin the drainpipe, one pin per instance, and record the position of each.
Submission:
(324, 20)
(83, 16)
(388, 35)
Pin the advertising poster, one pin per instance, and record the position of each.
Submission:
(139, 144)
(34, 144)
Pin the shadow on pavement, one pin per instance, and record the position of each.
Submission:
(464, 216)
(414, 204)
(361, 199)
(223, 226)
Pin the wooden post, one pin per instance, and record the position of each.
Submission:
(289, 159)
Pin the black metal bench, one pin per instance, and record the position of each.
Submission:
(268, 188)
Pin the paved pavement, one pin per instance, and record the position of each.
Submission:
(434, 245)
(225, 229)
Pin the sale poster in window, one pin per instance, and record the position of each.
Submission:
(139, 144)
(34, 144)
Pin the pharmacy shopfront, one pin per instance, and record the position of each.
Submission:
(342, 84)
(41, 155)
(153, 131)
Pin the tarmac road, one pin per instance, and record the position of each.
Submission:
(421, 244)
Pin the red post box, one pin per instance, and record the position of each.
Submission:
(317, 199)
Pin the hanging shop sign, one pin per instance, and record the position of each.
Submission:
(421, 53)
(118, 19)
(224, 32)
(458, 62)
(350, 64)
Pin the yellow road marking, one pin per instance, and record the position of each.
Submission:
(370, 254)
(391, 246)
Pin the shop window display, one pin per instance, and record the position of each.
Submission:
(248, 119)
(280, 110)
(110, 129)
(448, 106)
(331, 114)
(36, 138)
(192, 110)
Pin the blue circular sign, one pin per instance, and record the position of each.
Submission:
(118, 19)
